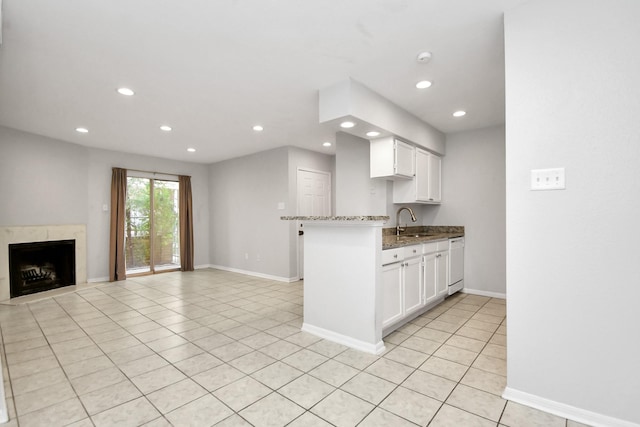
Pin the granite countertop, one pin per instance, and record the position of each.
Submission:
(419, 235)
(336, 218)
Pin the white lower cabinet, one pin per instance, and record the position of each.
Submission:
(412, 285)
(436, 271)
(402, 285)
(392, 293)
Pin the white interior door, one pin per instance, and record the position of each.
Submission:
(314, 199)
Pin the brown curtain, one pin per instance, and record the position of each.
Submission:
(186, 224)
(116, 241)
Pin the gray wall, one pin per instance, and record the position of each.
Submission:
(48, 181)
(44, 181)
(573, 101)
(473, 195)
(244, 195)
(356, 192)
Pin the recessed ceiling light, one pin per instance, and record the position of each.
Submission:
(459, 113)
(166, 128)
(82, 130)
(191, 150)
(258, 128)
(347, 125)
(423, 84)
(373, 133)
(326, 144)
(125, 91)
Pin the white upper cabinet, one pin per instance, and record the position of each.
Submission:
(426, 185)
(391, 158)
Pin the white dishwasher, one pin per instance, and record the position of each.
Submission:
(456, 264)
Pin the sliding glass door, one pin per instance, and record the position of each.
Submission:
(152, 240)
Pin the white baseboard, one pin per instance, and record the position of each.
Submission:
(484, 293)
(366, 347)
(565, 411)
(255, 274)
(98, 279)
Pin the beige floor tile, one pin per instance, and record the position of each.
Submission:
(27, 355)
(497, 351)
(303, 339)
(411, 405)
(327, 348)
(498, 339)
(342, 409)
(154, 334)
(157, 379)
(430, 385)
(276, 375)
(197, 333)
(491, 364)
(477, 402)
(119, 344)
(214, 341)
(97, 380)
(516, 415)
(448, 416)
(455, 354)
(110, 335)
(477, 334)
(444, 368)
(356, 359)
(240, 332)
(305, 360)
(420, 344)
(251, 362)
(389, 370)
(369, 387)
(433, 334)
(407, 356)
(43, 397)
(233, 421)
(140, 366)
(231, 351)
(128, 354)
(334, 373)
(110, 396)
(396, 337)
(259, 340)
(309, 420)
(466, 343)
(306, 391)
(381, 418)
(24, 345)
(241, 393)
(217, 377)
(272, 411)
(204, 411)
(485, 381)
(196, 364)
(175, 395)
(62, 413)
(132, 413)
(280, 349)
(37, 381)
(166, 343)
(31, 367)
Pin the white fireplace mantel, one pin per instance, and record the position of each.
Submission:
(41, 233)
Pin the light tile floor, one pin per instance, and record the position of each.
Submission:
(218, 348)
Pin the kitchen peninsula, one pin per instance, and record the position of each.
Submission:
(343, 283)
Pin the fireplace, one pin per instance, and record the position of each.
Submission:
(41, 266)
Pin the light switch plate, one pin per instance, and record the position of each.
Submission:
(547, 179)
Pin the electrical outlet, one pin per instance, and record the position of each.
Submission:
(547, 179)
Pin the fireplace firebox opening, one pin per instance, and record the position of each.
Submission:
(41, 266)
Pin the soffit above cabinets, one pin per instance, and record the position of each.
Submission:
(351, 101)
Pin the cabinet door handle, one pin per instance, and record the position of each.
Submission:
(414, 251)
(395, 256)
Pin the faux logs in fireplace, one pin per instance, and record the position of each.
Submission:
(41, 266)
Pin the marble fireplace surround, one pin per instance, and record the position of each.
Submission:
(41, 233)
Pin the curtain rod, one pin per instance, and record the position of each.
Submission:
(154, 172)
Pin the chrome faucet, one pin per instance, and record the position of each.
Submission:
(413, 219)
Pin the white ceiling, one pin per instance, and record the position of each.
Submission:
(213, 69)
